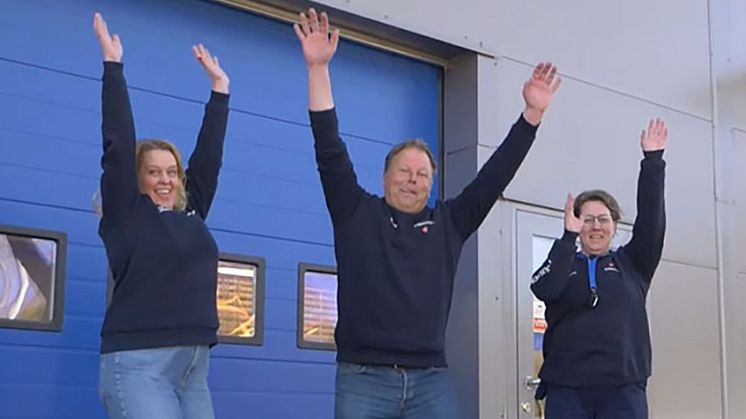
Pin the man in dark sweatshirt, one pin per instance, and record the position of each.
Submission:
(397, 257)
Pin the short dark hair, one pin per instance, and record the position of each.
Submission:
(602, 197)
(417, 143)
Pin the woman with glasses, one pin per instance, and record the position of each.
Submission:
(597, 345)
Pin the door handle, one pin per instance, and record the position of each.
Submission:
(532, 382)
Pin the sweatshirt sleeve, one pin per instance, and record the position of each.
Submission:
(207, 157)
(549, 281)
(119, 190)
(471, 206)
(341, 190)
(646, 246)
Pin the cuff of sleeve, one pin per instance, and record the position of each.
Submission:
(112, 68)
(569, 236)
(219, 98)
(323, 118)
(524, 125)
(654, 155)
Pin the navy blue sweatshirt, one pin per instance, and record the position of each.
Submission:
(608, 344)
(164, 263)
(396, 270)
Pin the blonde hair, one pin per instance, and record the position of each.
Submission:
(144, 146)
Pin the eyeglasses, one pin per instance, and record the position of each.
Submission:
(590, 220)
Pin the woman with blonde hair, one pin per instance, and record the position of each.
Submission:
(163, 317)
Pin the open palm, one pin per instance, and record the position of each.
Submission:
(656, 136)
(210, 63)
(540, 88)
(572, 223)
(318, 45)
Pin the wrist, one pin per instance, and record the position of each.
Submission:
(569, 235)
(317, 67)
(220, 86)
(533, 115)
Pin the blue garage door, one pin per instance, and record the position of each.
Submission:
(269, 202)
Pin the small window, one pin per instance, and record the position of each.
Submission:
(240, 299)
(32, 278)
(317, 306)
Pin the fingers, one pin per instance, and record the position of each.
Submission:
(547, 73)
(313, 23)
(101, 28)
(551, 74)
(202, 54)
(99, 25)
(661, 127)
(546, 70)
(299, 32)
(657, 127)
(557, 83)
(569, 202)
(324, 22)
(537, 71)
(655, 136)
(304, 24)
(315, 27)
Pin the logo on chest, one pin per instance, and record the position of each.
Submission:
(424, 226)
(611, 267)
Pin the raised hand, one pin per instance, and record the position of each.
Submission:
(656, 137)
(111, 46)
(572, 223)
(218, 77)
(539, 90)
(318, 45)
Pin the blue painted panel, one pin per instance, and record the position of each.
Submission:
(81, 226)
(271, 376)
(269, 201)
(50, 402)
(286, 405)
(50, 368)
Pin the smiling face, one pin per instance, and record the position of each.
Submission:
(598, 229)
(408, 180)
(158, 177)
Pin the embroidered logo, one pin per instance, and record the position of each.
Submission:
(611, 267)
(422, 225)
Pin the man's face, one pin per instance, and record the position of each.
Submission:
(408, 180)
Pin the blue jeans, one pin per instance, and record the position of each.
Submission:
(384, 392)
(163, 383)
(603, 402)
